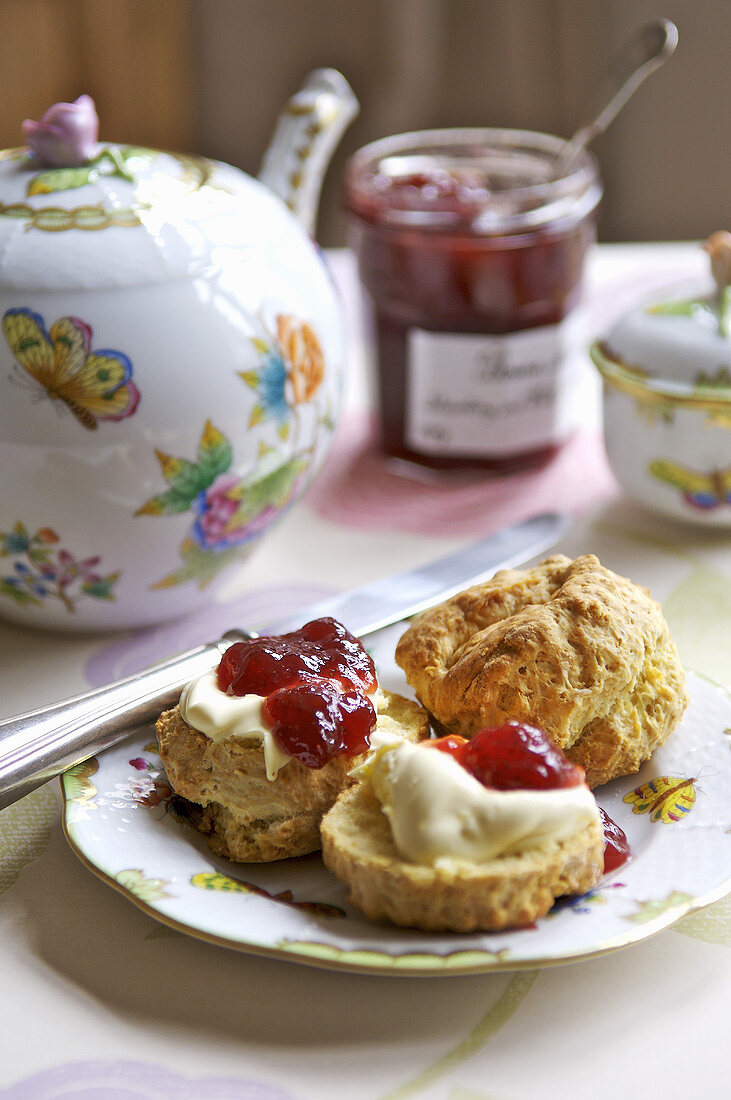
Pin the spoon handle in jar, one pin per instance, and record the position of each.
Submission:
(646, 51)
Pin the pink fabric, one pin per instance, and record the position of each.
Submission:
(357, 489)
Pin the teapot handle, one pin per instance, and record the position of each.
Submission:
(304, 140)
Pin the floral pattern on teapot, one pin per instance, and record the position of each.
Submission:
(40, 571)
(229, 511)
(290, 374)
(124, 161)
(93, 385)
(111, 160)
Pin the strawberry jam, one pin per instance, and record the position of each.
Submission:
(451, 744)
(315, 681)
(513, 757)
(314, 721)
(471, 247)
(322, 648)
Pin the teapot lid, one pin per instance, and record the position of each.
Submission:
(127, 216)
(685, 337)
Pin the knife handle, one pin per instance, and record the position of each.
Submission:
(37, 746)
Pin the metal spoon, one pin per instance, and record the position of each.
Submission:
(646, 51)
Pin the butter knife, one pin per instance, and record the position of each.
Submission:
(37, 746)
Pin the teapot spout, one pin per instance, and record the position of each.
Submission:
(304, 140)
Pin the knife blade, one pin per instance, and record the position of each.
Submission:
(385, 601)
(38, 745)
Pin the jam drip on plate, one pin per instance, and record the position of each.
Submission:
(616, 846)
(315, 682)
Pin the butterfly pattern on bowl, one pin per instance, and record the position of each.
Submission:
(704, 491)
(93, 385)
(230, 512)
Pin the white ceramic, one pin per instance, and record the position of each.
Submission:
(119, 820)
(677, 339)
(667, 407)
(170, 368)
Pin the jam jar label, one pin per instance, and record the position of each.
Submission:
(478, 395)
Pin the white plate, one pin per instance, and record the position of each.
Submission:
(118, 823)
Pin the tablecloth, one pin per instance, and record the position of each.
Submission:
(99, 1000)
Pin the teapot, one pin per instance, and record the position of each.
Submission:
(171, 361)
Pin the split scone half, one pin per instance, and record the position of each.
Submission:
(250, 816)
(569, 646)
(420, 853)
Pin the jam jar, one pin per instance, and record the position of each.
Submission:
(471, 247)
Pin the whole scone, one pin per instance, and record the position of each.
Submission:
(247, 817)
(568, 646)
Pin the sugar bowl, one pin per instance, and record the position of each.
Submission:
(666, 367)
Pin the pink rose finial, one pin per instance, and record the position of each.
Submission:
(66, 135)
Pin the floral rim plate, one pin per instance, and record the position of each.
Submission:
(120, 820)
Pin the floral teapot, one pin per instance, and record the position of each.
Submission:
(170, 361)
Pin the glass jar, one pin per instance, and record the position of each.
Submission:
(471, 254)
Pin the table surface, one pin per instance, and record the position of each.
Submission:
(101, 1001)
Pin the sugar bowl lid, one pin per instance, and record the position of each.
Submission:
(684, 338)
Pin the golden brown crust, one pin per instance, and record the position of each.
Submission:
(509, 892)
(246, 817)
(568, 646)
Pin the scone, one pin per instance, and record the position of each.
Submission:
(248, 817)
(506, 881)
(569, 646)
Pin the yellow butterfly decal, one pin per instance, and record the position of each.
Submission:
(668, 798)
(209, 880)
(94, 385)
(703, 491)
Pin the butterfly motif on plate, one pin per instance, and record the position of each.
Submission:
(704, 491)
(93, 385)
(668, 798)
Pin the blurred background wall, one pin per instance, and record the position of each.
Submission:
(210, 76)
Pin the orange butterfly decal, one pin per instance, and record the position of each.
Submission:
(94, 385)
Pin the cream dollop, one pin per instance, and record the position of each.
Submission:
(218, 715)
(206, 708)
(439, 813)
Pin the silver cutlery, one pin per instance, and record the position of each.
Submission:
(38, 745)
